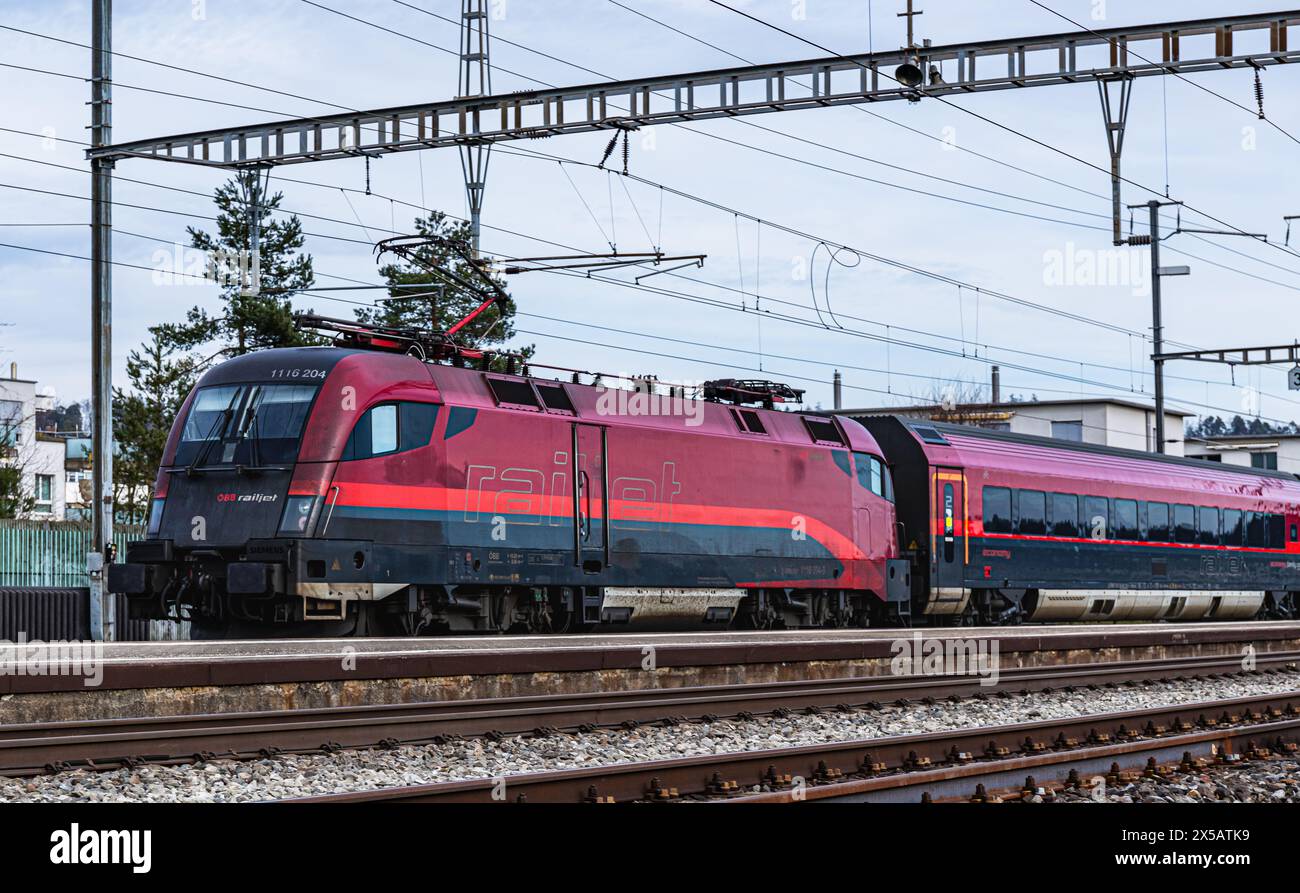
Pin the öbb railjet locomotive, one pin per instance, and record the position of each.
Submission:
(351, 491)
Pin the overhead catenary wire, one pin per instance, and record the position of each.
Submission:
(511, 232)
(1103, 385)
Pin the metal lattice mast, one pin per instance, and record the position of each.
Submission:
(1115, 111)
(101, 315)
(475, 81)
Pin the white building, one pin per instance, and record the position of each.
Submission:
(1104, 421)
(40, 457)
(1270, 451)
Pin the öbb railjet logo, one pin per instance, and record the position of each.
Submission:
(247, 497)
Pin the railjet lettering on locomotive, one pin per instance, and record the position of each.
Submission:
(919, 656)
(529, 496)
(89, 847)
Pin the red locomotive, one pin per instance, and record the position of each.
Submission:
(346, 490)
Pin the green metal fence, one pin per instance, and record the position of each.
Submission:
(50, 553)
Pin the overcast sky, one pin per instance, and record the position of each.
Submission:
(1220, 159)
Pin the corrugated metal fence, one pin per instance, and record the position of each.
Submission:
(53, 614)
(50, 553)
(44, 588)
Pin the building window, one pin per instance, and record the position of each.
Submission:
(1072, 431)
(1265, 461)
(1212, 458)
(11, 422)
(44, 492)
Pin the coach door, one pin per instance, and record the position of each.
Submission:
(590, 494)
(949, 548)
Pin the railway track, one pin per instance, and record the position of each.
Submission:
(106, 744)
(909, 767)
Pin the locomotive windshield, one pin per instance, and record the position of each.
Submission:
(245, 424)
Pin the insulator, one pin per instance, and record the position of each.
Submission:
(1139, 240)
(1259, 94)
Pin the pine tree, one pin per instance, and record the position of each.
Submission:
(15, 499)
(439, 304)
(161, 375)
(257, 314)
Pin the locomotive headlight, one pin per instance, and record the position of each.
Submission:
(297, 515)
(155, 516)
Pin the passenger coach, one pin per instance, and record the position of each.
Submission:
(1008, 528)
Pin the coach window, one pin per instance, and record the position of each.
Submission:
(1096, 517)
(1033, 513)
(1232, 528)
(1208, 526)
(997, 510)
(1158, 522)
(1126, 520)
(1184, 524)
(1256, 530)
(1276, 532)
(1064, 515)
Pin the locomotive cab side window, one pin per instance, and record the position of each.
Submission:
(391, 428)
(873, 475)
(997, 510)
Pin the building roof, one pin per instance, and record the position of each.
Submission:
(1239, 439)
(1014, 406)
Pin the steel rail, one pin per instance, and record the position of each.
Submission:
(845, 768)
(33, 748)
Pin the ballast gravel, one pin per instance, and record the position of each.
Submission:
(290, 775)
(1259, 781)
